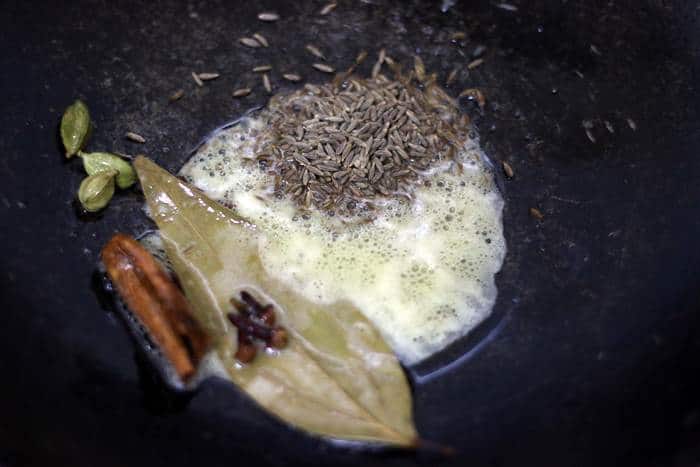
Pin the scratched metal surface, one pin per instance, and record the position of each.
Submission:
(591, 359)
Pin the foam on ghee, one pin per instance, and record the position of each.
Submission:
(422, 271)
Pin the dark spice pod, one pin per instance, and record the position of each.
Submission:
(255, 321)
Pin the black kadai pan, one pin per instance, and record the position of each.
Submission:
(592, 353)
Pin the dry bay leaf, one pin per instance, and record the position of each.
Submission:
(337, 377)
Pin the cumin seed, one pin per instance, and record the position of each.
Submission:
(313, 50)
(536, 213)
(328, 8)
(135, 137)
(241, 92)
(208, 76)
(266, 83)
(261, 39)
(197, 79)
(291, 77)
(507, 169)
(475, 63)
(323, 67)
(249, 42)
(268, 16)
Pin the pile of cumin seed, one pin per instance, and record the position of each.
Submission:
(342, 145)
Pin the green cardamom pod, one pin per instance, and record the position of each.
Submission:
(96, 190)
(75, 126)
(96, 162)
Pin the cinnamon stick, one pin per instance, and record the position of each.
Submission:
(158, 303)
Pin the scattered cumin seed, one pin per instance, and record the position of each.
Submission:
(177, 95)
(631, 123)
(419, 68)
(536, 213)
(268, 16)
(378, 64)
(266, 83)
(323, 67)
(249, 42)
(328, 8)
(451, 77)
(475, 63)
(291, 77)
(458, 36)
(135, 137)
(208, 76)
(361, 57)
(241, 92)
(589, 135)
(506, 6)
(262, 68)
(313, 50)
(507, 169)
(197, 79)
(588, 125)
(260, 38)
